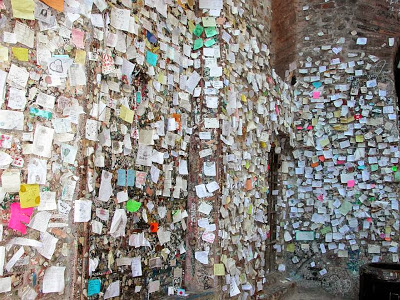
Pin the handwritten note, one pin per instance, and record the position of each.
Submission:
(29, 195)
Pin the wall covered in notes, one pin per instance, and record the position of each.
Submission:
(135, 137)
(343, 200)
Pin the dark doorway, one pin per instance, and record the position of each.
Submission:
(396, 69)
(273, 183)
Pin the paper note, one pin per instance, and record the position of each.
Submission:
(22, 54)
(19, 217)
(126, 114)
(37, 171)
(105, 190)
(40, 221)
(17, 255)
(53, 280)
(118, 223)
(49, 244)
(56, 4)
(17, 99)
(202, 256)
(29, 195)
(82, 211)
(5, 284)
(121, 177)
(94, 286)
(113, 290)
(11, 181)
(23, 9)
(18, 76)
(77, 38)
(136, 266)
(154, 286)
(151, 58)
(219, 270)
(133, 206)
(12, 120)
(43, 141)
(2, 259)
(211, 4)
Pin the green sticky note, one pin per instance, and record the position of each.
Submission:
(290, 247)
(211, 31)
(198, 30)
(374, 168)
(210, 42)
(198, 44)
(326, 230)
(133, 206)
(394, 168)
(397, 176)
(40, 113)
(345, 208)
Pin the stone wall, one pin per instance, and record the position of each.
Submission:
(343, 211)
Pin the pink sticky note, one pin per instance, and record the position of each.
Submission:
(77, 38)
(316, 94)
(19, 216)
(350, 183)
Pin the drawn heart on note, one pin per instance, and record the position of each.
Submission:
(56, 66)
(337, 50)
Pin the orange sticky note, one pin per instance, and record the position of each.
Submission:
(29, 195)
(249, 185)
(56, 4)
(153, 227)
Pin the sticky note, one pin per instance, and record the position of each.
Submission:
(317, 84)
(3, 53)
(316, 94)
(77, 38)
(290, 247)
(219, 270)
(22, 54)
(29, 195)
(94, 286)
(23, 9)
(211, 31)
(198, 44)
(153, 227)
(350, 183)
(130, 180)
(198, 30)
(80, 57)
(133, 206)
(56, 4)
(121, 180)
(126, 114)
(19, 217)
(151, 58)
(209, 22)
(210, 42)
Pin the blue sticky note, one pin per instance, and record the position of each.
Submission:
(131, 178)
(94, 286)
(121, 181)
(151, 58)
(138, 97)
(317, 84)
(151, 38)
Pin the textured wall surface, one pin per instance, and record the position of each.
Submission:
(343, 211)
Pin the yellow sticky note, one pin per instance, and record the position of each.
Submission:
(324, 142)
(23, 9)
(219, 270)
(191, 26)
(21, 54)
(29, 195)
(3, 54)
(80, 57)
(126, 114)
(359, 138)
